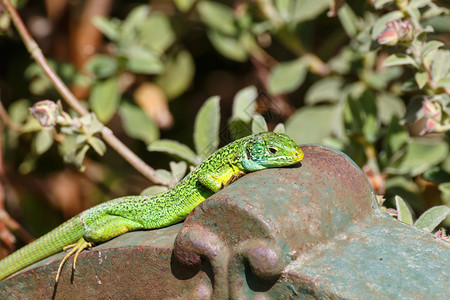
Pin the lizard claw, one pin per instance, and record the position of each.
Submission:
(75, 249)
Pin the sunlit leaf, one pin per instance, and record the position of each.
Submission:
(178, 75)
(310, 124)
(279, 128)
(308, 9)
(259, 124)
(104, 98)
(164, 175)
(101, 66)
(108, 27)
(286, 77)
(396, 137)
(398, 60)
(217, 16)
(178, 169)
(43, 141)
(176, 149)
(325, 90)
(244, 104)
(421, 79)
(143, 61)
(421, 154)
(184, 5)
(156, 32)
(137, 124)
(389, 106)
(154, 190)
(97, 144)
(404, 214)
(230, 47)
(206, 127)
(432, 218)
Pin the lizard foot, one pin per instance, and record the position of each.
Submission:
(75, 249)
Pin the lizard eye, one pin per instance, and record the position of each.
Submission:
(273, 150)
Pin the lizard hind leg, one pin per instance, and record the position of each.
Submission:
(75, 249)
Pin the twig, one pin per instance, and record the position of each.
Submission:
(67, 95)
(5, 218)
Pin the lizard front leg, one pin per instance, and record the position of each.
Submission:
(220, 178)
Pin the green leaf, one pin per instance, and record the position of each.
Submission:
(130, 26)
(432, 218)
(444, 82)
(311, 124)
(396, 137)
(101, 66)
(137, 124)
(279, 128)
(389, 106)
(206, 127)
(437, 175)
(399, 59)
(445, 190)
(308, 9)
(440, 67)
(184, 5)
(259, 124)
(230, 47)
(348, 19)
(325, 90)
(164, 175)
(19, 111)
(286, 77)
(76, 157)
(142, 61)
(43, 141)
(430, 46)
(178, 169)
(371, 125)
(421, 155)
(239, 129)
(176, 149)
(109, 28)
(97, 144)
(104, 98)
(421, 79)
(244, 104)
(217, 16)
(154, 190)
(178, 75)
(404, 214)
(156, 32)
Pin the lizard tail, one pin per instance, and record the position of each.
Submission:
(53, 242)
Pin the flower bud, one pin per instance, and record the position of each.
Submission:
(46, 112)
(431, 110)
(388, 37)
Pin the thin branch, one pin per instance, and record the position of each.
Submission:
(8, 222)
(67, 95)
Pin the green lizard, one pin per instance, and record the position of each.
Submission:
(115, 217)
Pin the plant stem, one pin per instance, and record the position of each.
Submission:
(73, 102)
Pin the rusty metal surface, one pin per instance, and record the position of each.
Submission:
(310, 231)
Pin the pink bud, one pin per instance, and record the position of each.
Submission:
(388, 37)
(431, 110)
(45, 112)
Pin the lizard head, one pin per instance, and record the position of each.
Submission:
(268, 150)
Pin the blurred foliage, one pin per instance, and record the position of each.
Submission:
(370, 78)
